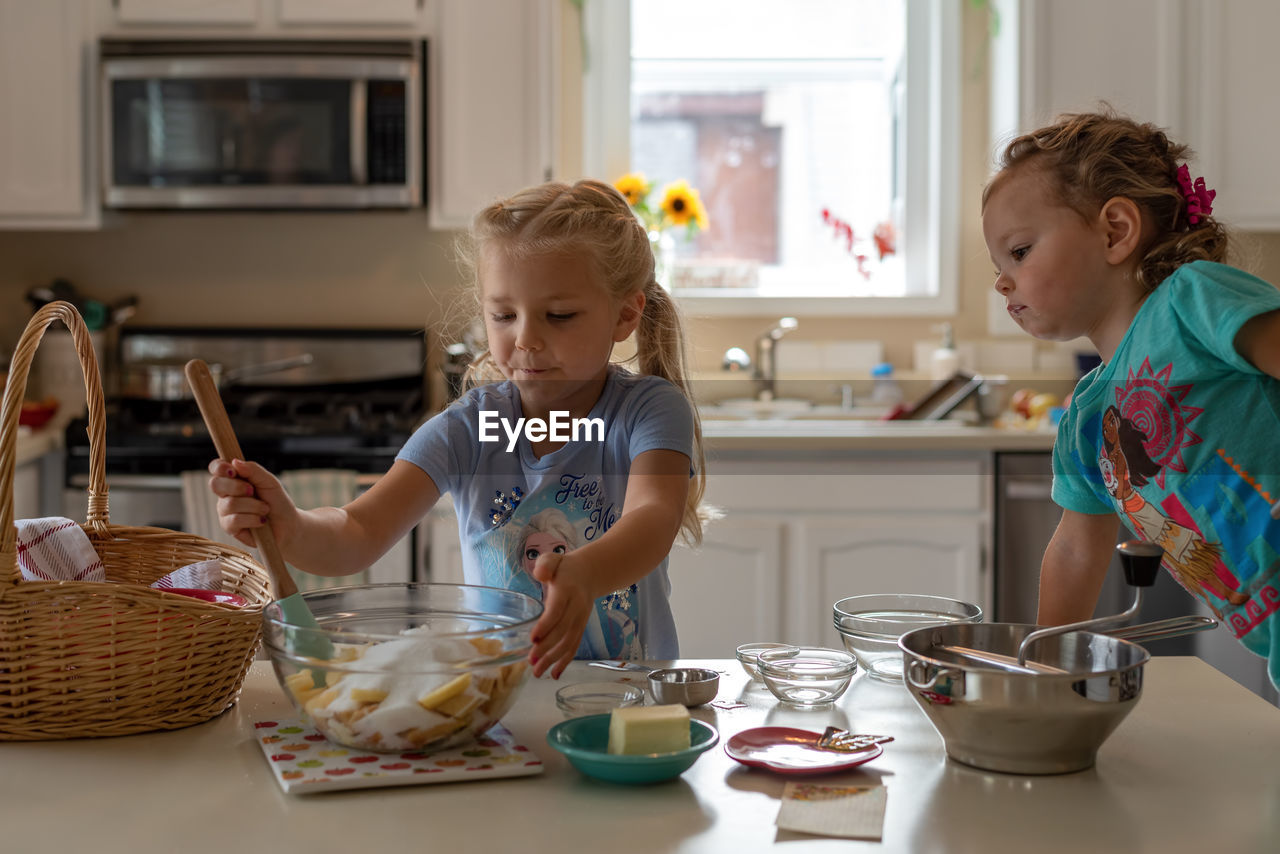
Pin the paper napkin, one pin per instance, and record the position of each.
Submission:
(850, 812)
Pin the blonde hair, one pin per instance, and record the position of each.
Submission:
(1088, 158)
(592, 219)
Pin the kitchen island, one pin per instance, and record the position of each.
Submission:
(1195, 767)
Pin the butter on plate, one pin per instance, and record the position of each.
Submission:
(649, 729)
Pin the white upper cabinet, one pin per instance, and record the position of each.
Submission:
(361, 12)
(264, 17)
(46, 177)
(492, 107)
(1234, 108)
(191, 12)
(1052, 57)
(1204, 69)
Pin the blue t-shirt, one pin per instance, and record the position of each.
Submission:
(513, 506)
(1180, 436)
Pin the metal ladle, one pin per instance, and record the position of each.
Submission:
(1140, 561)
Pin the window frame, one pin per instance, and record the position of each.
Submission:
(931, 191)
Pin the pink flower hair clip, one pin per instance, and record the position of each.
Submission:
(1199, 197)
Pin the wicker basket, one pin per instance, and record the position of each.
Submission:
(81, 659)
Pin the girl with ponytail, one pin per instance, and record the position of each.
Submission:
(562, 273)
(549, 427)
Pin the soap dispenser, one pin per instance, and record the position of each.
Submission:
(945, 361)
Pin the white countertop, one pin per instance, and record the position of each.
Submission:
(1195, 767)
(37, 443)
(801, 434)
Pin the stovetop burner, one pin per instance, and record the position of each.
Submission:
(353, 404)
(359, 426)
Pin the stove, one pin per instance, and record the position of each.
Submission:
(352, 407)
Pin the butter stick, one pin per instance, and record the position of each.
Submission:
(649, 729)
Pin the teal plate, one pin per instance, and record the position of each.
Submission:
(584, 742)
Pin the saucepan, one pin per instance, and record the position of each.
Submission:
(165, 379)
(1026, 699)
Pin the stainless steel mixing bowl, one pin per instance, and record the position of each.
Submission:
(1051, 721)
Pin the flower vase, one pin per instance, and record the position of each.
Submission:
(664, 255)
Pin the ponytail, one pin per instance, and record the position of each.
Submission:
(660, 351)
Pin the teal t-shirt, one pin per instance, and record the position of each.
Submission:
(1180, 436)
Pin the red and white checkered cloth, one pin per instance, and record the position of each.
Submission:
(57, 549)
(205, 575)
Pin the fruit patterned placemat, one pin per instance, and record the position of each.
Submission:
(304, 761)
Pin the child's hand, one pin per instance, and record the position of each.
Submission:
(248, 495)
(567, 605)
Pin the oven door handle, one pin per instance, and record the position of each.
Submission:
(132, 481)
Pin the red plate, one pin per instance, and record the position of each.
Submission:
(793, 751)
(208, 595)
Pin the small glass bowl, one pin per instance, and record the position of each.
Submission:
(597, 698)
(870, 626)
(807, 676)
(749, 652)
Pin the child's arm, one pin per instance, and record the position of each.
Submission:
(328, 540)
(1259, 342)
(657, 489)
(1075, 565)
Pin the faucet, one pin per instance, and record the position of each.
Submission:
(766, 361)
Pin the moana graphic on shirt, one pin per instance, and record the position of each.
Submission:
(1144, 436)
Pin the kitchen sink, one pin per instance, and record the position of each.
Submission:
(750, 409)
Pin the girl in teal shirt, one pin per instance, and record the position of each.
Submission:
(1097, 230)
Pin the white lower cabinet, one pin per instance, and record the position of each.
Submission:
(729, 587)
(444, 548)
(935, 555)
(26, 491)
(798, 533)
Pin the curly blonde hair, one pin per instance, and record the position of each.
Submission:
(593, 219)
(1089, 158)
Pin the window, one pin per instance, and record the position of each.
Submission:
(812, 130)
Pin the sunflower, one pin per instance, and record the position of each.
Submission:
(681, 205)
(634, 187)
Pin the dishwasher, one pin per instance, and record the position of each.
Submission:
(1025, 520)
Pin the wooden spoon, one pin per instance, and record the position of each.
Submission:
(292, 606)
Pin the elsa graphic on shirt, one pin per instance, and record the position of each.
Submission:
(611, 629)
(1125, 466)
(547, 532)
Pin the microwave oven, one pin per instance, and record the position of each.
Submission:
(262, 124)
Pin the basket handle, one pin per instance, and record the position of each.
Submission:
(98, 517)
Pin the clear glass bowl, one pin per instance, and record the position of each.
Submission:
(398, 667)
(871, 625)
(595, 698)
(807, 676)
(749, 652)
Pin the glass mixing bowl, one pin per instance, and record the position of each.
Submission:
(807, 675)
(871, 625)
(418, 667)
(596, 698)
(748, 653)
